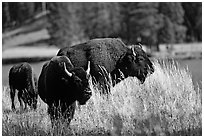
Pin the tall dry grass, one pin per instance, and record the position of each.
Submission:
(166, 104)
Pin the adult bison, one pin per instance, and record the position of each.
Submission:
(113, 55)
(22, 78)
(60, 85)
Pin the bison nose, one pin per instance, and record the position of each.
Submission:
(88, 92)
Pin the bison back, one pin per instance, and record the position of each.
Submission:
(20, 76)
(104, 52)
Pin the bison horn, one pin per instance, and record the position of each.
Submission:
(140, 45)
(133, 51)
(88, 69)
(66, 71)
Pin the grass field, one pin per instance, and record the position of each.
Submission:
(166, 104)
(195, 67)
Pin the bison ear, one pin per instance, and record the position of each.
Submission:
(88, 69)
(66, 71)
(133, 51)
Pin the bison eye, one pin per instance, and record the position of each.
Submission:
(140, 58)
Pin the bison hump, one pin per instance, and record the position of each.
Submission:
(106, 52)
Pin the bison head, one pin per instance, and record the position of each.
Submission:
(79, 79)
(136, 63)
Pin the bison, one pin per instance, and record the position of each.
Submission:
(111, 54)
(22, 78)
(60, 85)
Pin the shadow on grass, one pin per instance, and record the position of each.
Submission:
(17, 111)
(17, 130)
(189, 132)
(24, 59)
(23, 130)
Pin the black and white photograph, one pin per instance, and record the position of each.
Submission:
(101, 68)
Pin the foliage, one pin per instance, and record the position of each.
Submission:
(166, 104)
(16, 13)
(173, 29)
(150, 23)
(193, 20)
(64, 23)
(101, 19)
(142, 22)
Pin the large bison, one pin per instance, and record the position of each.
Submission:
(60, 85)
(22, 78)
(111, 54)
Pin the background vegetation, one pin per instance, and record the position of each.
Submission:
(148, 23)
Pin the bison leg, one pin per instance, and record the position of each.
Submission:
(25, 98)
(12, 94)
(52, 113)
(68, 112)
(61, 112)
(20, 93)
(55, 115)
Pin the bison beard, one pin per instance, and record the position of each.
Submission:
(61, 85)
(112, 55)
(22, 78)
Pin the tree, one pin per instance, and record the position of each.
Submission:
(6, 17)
(100, 19)
(166, 33)
(193, 20)
(16, 13)
(76, 22)
(64, 25)
(149, 21)
(141, 20)
(173, 29)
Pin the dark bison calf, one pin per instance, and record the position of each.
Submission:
(22, 78)
(60, 85)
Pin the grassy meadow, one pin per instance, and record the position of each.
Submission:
(166, 104)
